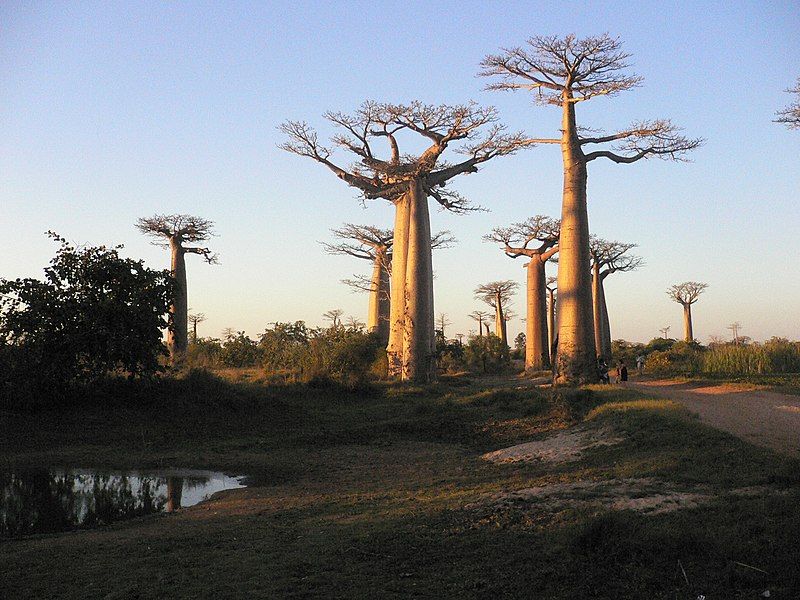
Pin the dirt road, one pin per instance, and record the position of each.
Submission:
(763, 418)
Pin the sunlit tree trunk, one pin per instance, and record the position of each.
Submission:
(597, 306)
(397, 310)
(178, 334)
(418, 358)
(551, 326)
(537, 353)
(606, 331)
(576, 361)
(500, 320)
(688, 335)
(379, 305)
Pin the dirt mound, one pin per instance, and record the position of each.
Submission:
(564, 446)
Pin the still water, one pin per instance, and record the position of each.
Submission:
(46, 501)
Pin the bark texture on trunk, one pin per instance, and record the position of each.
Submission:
(418, 340)
(379, 305)
(499, 319)
(551, 320)
(576, 362)
(174, 493)
(397, 310)
(688, 335)
(178, 334)
(597, 310)
(537, 349)
(606, 331)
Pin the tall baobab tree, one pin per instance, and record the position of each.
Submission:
(375, 244)
(687, 294)
(552, 287)
(408, 181)
(481, 317)
(790, 115)
(497, 294)
(536, 239)
(194, 319)
(174, 232)
(563, 72)
(607, 257)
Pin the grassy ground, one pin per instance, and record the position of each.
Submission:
(382, 493)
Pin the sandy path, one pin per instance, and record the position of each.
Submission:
(763, 418)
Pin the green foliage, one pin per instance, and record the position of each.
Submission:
(684, 358)
(626, 351)
(487, 354)
(775, 356)
(94, 313)
(449, 356)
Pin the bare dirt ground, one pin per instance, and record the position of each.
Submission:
(762, 418)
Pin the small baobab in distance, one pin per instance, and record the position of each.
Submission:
(790, 116)
(480, 317)
(537, 240)
(607, 257)
(497, 294)
(686, 294)
(562, 72)
(174, 232)
(407, 181)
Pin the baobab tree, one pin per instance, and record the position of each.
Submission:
(481, 317)
(536, 239)
(408, 181)
(552, 287)
(375, 244)
(334, 316)
(607, 257)
(497, 294)
(174, 232)
(443, 322)
(687, 294)
(790, 115)
(563, 72)
(194, 319)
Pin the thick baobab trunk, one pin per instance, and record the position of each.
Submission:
(597, 310)
(418, 339)
(537, 352)
(551, 325)
(687, 323)
(576, 362)
(378, 316)
(606, 330)
(499, 319)
(174, 493)
(178, 334)
(397, 310)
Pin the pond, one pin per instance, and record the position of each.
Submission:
(52, 500)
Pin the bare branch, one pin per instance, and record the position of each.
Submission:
(643, 139)
(790, 116)
(686, 293)
(517, 238)
(489, 292)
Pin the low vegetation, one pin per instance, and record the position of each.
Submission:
(382, 492)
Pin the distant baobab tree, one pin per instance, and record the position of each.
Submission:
(664, 331)
(607, 257)
(194, 319)
(408, 181)
(334, 316)
(481, 317)
(734, 327)
(687, 294)
(552, 287)
(355, 324)
(563, 72)
(443, 322)
(375, 244)
(790, 116)
(497, 294)
(174, 232)
(536, 239)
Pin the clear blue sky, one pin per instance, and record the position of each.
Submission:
(114, 111)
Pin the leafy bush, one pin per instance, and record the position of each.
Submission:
(684, 358)
(487, 354)
(94, 313)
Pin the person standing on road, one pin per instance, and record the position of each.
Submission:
(640, 364)
(622, 372)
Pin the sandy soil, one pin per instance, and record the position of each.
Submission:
(762, 418)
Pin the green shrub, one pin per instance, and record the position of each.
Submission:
(487, 354)
(682, 358)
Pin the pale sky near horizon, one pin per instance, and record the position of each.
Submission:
(110, 111)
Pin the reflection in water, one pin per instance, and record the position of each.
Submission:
(44, 501)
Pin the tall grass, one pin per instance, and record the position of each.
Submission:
(771, 357)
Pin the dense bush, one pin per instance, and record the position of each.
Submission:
(94, 313)
(487, 354)
(682, 358)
